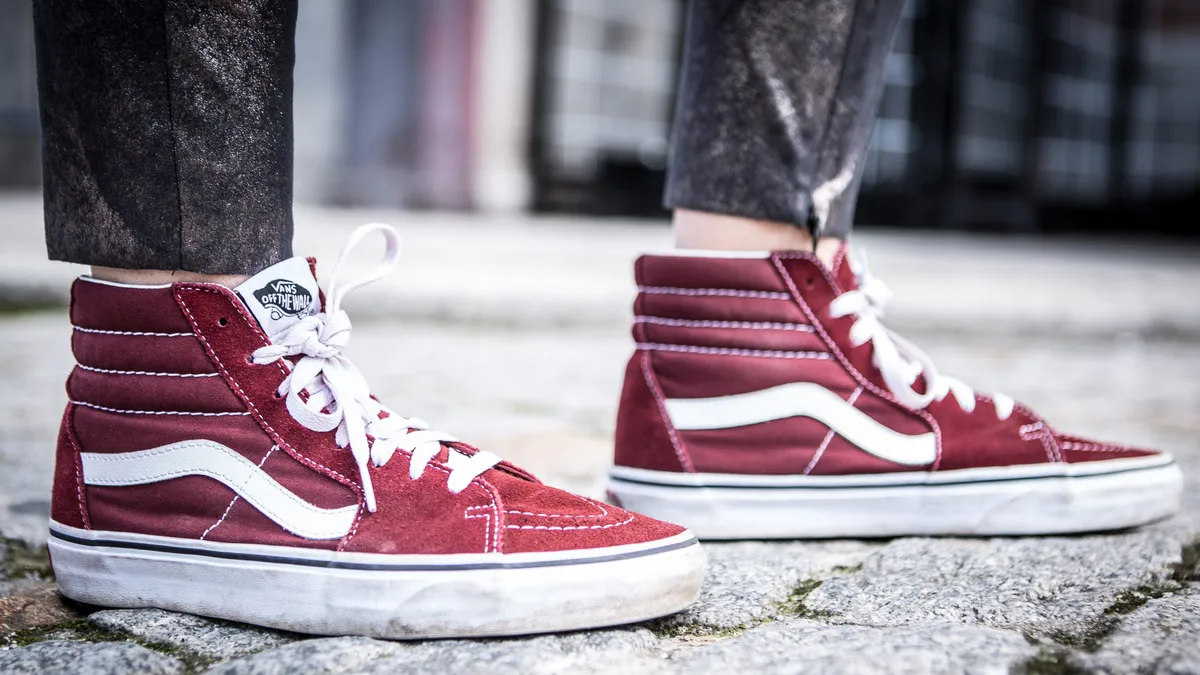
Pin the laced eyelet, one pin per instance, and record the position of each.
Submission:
(250, 359)
(222, 322)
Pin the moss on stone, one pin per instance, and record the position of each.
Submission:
(1052, 662)
(794, 605)
(22, 561)
(82, 630)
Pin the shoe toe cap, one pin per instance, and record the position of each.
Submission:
(544, 519)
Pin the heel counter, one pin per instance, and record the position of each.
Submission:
(645, 438)
(68, 501)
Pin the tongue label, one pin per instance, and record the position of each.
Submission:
(284, 297)
(281, 295)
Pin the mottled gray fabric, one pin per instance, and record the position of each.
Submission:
(776, 106)
(167, 132)
(167, 124)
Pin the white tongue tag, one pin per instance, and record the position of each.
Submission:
(281, 295)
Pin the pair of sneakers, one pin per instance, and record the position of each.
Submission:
(220, 456)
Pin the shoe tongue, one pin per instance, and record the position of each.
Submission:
(281, 295)
(842, 272)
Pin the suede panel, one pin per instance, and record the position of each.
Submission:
(103, 307)
(180, 507)
(643, 438)
(153, 393)
(844, 277)
(68, 504)
(815, 290)
(1074, 449)
(140, 353)
(759, 336)
(540, 518)
(423, 517)
(697, 272)
(980, 438)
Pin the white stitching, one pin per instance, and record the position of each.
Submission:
(1038, 431)
(714, 292)
(69, 431)
(730, 351)
(237, 494)
(1092, 447)
(97, 331)
(487, 526)
(157, 412)
(571, 527)
(684, 461)
(829, 436)
(105, 371)
(748, 325)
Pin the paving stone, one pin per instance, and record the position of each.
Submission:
(58, 657)
(806, 646)
(36, 606)
(1057, 587)
(746, 582)
(322, 656)
(205, 637)
(1160, 638)
(619, 650)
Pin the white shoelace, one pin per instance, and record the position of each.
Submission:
(333, 383)
(898, 360)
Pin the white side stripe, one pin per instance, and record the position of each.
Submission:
(803, 399)
(216, 461)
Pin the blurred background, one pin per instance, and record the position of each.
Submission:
(1012, 115)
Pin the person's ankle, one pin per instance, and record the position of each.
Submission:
(159, 277)
(714, 231)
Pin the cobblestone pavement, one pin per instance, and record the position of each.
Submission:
(1114, 603)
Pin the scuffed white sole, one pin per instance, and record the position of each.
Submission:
(1017, 500)
(398, 597)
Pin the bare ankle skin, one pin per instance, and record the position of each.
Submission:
(697, 229)
(158, 277)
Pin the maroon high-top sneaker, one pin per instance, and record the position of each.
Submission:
(220, 456)
(766, 400)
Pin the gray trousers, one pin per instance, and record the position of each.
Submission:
(167, 124)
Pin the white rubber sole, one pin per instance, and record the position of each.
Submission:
(384, 596)
(1016, 500)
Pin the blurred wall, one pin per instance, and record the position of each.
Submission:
(20, 163)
